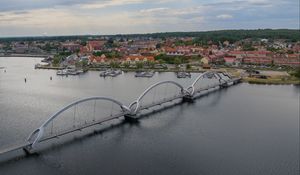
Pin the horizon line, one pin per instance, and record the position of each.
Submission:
(149, 33)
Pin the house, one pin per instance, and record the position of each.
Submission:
(232, 61)
(93, 46)
(204, 60)
(229, 60)
(288, 59)
(83, 50)
(138, 58)
(72, 47)
(97, 59)
(70, 60)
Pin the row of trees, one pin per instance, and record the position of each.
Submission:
(216, 36)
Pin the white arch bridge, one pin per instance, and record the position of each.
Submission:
(96, 110)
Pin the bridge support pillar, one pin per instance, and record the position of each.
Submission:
(237, 81)
(28, 150)
(188, 99)
(224, 85)
(131, 118)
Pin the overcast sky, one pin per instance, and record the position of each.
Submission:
(77, 17)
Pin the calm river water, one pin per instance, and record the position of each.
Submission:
(245, 129)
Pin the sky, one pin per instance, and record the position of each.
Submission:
(102, 17)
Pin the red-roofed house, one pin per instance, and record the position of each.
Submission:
(97, 59)
(138, 58)
(95, 45)
(290, 60)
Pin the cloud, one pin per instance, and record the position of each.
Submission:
(97, 5)
(225, 16)
(59, 17)
(154, 10)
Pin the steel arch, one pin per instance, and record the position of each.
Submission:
(191, 89)
(40, 131)
(137, 101)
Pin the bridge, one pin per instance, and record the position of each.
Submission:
(92, 111)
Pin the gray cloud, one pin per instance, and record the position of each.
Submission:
(13, 5)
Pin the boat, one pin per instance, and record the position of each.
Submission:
(80, 71)
(111, 73)
(72, 72)
(103, 74)
(69, 71)
(62, 72)
(115, 73)
(183, 75)
(210, 75)
(145, 74)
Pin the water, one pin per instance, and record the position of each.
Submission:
(245, 129)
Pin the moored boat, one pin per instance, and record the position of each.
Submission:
(111, 73)
(145, 74)
(183, 75)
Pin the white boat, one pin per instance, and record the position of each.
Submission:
(62, 72)
(111, 73)
(145, 74)
(72, 72)
(183, 75)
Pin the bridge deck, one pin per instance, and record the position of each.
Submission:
(165, 100)
(14, 148)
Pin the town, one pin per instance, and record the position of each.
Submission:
(167, 52)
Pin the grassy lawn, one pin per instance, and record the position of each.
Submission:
(273, 80)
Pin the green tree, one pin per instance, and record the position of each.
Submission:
(177, 61)
(126, 65)
(297, 73)
(139, 65)
(114, 64)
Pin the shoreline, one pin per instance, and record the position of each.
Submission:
(26, 55)
(270, 81)
(292, 81)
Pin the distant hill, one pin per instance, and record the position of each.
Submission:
(220, 35)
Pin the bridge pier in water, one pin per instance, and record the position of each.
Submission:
(188, 99)
(131, 118)
(224, 85)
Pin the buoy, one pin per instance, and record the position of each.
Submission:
(51, 78)
(25, 79)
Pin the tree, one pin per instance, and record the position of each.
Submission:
(158, 46)
(139, 65)
(56, 60)
(297, 73)
(248, 47)
(114, 64)
(126, 65)
(177, 61)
